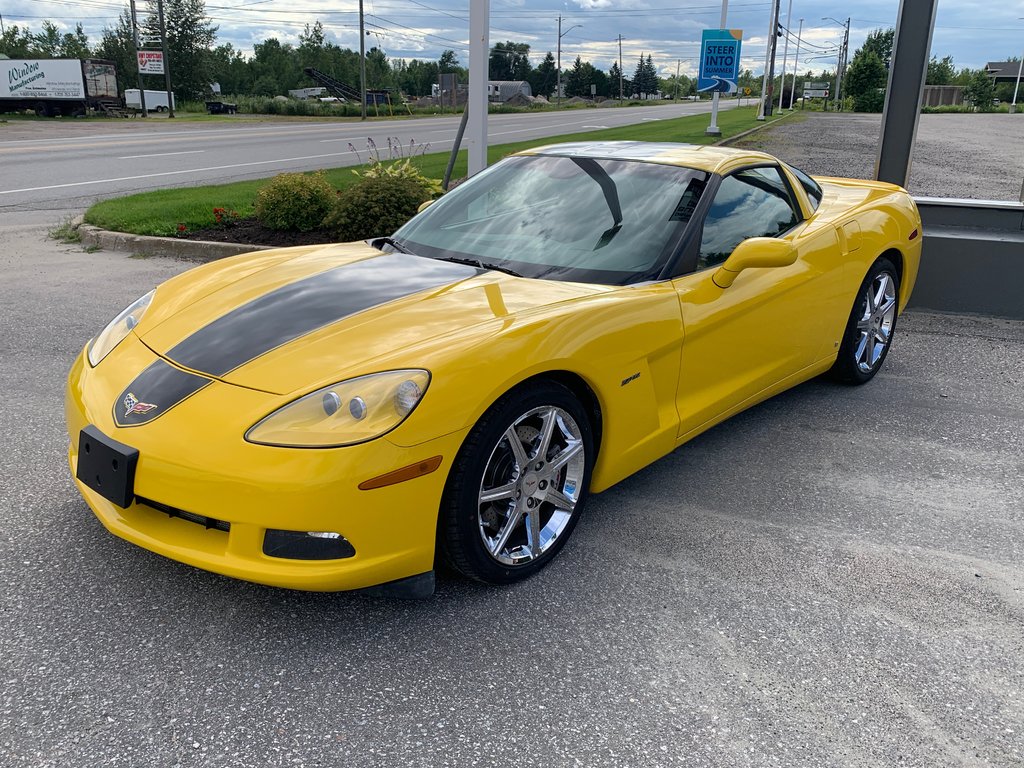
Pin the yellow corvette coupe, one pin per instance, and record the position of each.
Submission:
(347, 416)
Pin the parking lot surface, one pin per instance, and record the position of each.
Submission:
(833, 578)
(975, 156)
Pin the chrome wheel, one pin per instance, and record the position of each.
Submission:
(531, 485)
(875, 325)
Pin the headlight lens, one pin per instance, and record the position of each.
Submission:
(345, 413)
(117, 329)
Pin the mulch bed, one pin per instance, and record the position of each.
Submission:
(251, 232)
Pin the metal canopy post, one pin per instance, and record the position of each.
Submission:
(479, 32)
(910, 50)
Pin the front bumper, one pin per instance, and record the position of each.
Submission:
(194, 458)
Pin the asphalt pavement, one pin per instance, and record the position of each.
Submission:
(70, 164)
(832, 578)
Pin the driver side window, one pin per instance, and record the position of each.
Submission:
(751, 203)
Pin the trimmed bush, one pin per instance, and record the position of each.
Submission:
(295, 201)
(373, 207)
(403, 169)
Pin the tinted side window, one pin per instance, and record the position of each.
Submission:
(810, 186)
(751, 203)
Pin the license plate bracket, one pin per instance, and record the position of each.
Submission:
(107, 466)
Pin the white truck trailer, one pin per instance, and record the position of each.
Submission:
(53, 87)
(156, 101)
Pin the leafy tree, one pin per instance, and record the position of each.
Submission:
(980, 91)
(229, 68)
(940, 72)
(46, 43)
(449, 62)
(190, 36)
(865, 82)
(75, 45)
(378, 71)
(509, 61)
(274, 68)
(879, 42)
(17, 43)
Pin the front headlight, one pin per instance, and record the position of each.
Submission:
(345, 413)
(117, 329)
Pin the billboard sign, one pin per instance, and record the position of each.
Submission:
(151, 62)
(719, 60)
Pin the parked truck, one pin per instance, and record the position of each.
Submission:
(53, 87)
(156, 101)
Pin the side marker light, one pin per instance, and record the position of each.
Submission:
(411, 472)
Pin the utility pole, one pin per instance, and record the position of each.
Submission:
(796, 65)
(620, 68)
(785, 55)
(362, 62)
(842, 68)
(138, 74)
(167, 59)
(713, 129)
(765, 106)
(771, 70)
(677, 79)
(2, 30)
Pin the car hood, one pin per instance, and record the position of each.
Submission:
(293, 319)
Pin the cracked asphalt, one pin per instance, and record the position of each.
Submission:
(832, 578)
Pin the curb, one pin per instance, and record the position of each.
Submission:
(144, 245)
(755, 129)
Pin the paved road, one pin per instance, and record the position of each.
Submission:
(72, 164)
(833, 578)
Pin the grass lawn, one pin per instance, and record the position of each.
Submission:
(160, 212)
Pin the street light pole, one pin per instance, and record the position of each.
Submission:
(558, 64)
(620, 69)
(762, 107)
(1013, 105)
(796, 64)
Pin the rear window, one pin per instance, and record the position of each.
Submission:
(810, 186)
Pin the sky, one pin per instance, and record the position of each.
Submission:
(970, 31)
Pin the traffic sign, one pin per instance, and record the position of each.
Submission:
(719, 60)
(815, 93)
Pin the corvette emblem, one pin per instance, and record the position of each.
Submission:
(132, 405)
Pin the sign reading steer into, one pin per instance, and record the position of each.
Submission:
(719, 60)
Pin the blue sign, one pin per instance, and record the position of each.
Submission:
(719, 60)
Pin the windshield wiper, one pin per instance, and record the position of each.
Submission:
(377, 242)
(481, 264)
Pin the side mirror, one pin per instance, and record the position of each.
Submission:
(424, 205)
(755, 252)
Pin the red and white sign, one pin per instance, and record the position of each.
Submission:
(151, 62)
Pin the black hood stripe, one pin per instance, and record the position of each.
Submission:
(299, 308)
(155, 391)
(276, 318)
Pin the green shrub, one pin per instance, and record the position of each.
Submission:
(373, 207)
(295, 201)
(403, 169)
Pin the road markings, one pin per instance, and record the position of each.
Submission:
(344, 138)
(164, 154)
(650, 119)
(594, 126)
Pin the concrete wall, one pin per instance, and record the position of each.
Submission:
(973, 257)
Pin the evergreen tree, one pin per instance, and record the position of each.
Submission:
(116, 45)
(941, 72)
(980, 91)
(865, 82)
(614, 75)
(543, 78)
(509, 61)
(16, 43)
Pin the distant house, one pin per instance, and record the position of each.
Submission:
(503, 90)
(1003, 71)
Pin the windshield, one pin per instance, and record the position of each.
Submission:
(562, 218)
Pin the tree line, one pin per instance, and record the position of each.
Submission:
(276, 67)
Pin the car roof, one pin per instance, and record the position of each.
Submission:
(705, 158)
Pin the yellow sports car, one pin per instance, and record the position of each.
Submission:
(347, 416)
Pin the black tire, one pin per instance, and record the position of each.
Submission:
(463, 518)
(857, 365)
